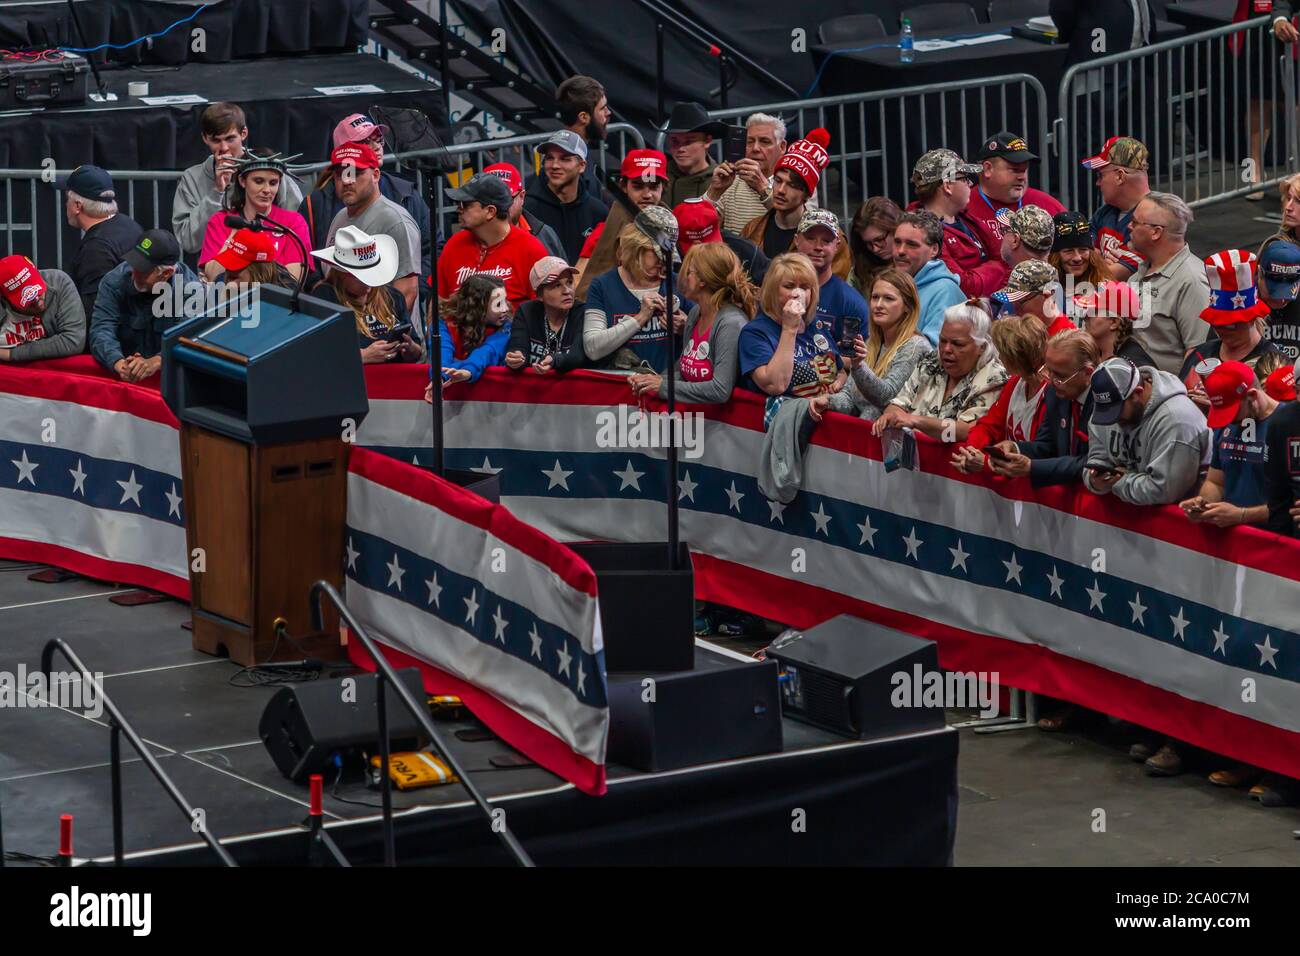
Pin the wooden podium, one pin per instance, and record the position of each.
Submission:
(264, 403)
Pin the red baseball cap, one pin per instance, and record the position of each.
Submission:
(509, 174)
(697, 221)
(20, 282)
(1280, 384)
(1226, 385)
(362, 157)
(1114, 298)
(645, 164)
(246, 247)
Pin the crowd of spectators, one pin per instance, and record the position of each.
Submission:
(1039, 343)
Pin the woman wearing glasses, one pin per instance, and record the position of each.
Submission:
(871, 241)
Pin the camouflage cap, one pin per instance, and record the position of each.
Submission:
(1121, 151)
(660, 225)
(941, 166)
(1032, 223)
(1031, 277)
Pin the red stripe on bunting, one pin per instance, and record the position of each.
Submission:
(80, 380)
(468, 507)
(100, 569)
(537, 744)
(1026, 666)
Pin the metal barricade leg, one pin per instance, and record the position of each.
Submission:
(1024, 715)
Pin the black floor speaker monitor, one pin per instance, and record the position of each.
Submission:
(647, 609)
(841, 675)
(722, 709)
(304, 725)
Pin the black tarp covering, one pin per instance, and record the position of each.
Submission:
(233, 28)
(885, 803)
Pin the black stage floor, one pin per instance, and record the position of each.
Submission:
(891, 801)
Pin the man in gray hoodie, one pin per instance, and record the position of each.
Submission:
(1148, 443)
(201, 187)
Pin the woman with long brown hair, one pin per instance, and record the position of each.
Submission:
(884, 361)
(712, 277)
(871, 241)
(1075, 260)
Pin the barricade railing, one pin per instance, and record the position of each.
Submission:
(33, 222)
(877, 137)
(1215, 109)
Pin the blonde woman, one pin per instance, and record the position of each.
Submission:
(360, 268)
(625, 306)
(884, 361)
(713, 277)
(780, 353)
(953, 387)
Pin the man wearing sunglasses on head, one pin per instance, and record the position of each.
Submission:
(943, 182)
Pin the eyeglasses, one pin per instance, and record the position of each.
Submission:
(1053, 377)
(1149, 225)
(462, 206)
(879, 242)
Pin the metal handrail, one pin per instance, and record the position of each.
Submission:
(120, 725)
(1068, 94)
(385, 673)
(664, 15)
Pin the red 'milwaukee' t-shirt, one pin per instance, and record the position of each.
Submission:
(509, 260)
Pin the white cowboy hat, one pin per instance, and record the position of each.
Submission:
(372, 259)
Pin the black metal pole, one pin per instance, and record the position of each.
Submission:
(659, 68)
(386, 785)
(270, 225)
(444, 66)
(722, 79)
(115, 755)
(672, 412)
(433, 334)
(90, 57)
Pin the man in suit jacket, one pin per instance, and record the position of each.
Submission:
(1126, 25)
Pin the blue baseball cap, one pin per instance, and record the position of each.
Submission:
(1112, 384)
(1279, 270)
(88, 182)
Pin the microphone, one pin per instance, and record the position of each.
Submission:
(239, 222)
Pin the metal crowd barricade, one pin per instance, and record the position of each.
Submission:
(1197, 102)
(877, 137)
(33, 221)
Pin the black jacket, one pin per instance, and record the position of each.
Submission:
(1282, 469)
(751, 257)
(1077, 19)
(572, 221)
(544, 233)
(1060, 446)
(102, 247)
(528, 335)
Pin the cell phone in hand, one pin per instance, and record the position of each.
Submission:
(734, 143)
(397, 331)
(1102, 471)
(996, 453)
(851, 329)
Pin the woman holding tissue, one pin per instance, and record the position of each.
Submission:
(779, 355)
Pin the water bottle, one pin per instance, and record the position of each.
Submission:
(905, 52)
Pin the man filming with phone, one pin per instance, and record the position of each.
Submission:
(742, 190)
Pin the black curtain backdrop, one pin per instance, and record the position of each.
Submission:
(234, 28)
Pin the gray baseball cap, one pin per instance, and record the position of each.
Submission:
(567, 140)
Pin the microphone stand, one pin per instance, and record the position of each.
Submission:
(434, 338)
(666, 246)
(261, 222)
